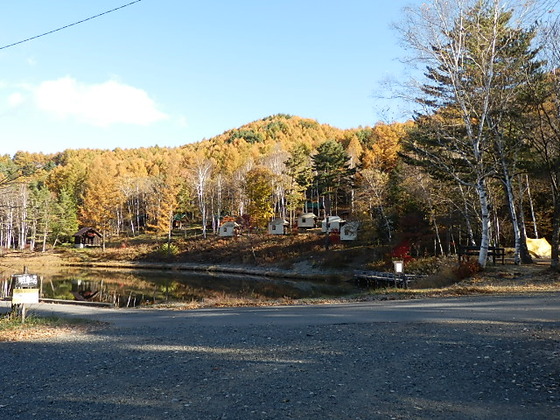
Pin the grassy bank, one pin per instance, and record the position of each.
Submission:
(40, 328)
(292, 254)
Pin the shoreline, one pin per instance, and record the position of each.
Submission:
(18, 262)
(219, 268)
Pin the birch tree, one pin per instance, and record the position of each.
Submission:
(372, 194)
(463, 47)
(201, 176)
(544, 127)
(276, 163)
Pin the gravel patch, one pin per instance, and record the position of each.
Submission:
(461, 369)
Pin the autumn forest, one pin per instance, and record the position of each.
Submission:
(477, 164)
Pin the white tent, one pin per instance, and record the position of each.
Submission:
(539, 248)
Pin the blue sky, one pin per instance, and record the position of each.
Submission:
(170, 72)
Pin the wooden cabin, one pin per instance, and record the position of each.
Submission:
(277, 226)
(306, 221)
(331, 224)
(349, 231)
(179, 221)
(87, 236)
(228, 229)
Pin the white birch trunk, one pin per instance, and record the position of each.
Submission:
(485, 217)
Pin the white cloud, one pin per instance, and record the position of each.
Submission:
(182, 121)
(15, 99)
(97, 104)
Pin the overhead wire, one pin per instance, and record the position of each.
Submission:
(69, 25)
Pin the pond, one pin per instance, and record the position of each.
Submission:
(130, 288)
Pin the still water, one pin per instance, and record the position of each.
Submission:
(141, 287)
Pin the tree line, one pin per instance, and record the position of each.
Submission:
(274, 167)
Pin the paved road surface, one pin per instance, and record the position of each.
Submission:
(460, 358)
(522, 308)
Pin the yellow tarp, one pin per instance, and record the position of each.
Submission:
(539, 248)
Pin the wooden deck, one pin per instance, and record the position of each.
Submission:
(383, 279)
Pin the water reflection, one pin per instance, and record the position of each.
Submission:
(138, 287)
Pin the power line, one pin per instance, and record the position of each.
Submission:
(69, 25)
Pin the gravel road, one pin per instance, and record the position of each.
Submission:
(471, 358)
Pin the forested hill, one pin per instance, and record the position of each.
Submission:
(138, 190)
(281, 128)
(254, 140)
(258, 139)
(283, 133)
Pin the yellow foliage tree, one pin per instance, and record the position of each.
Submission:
(102, 196)
(165, 190)
(382, 154)
(259, 189)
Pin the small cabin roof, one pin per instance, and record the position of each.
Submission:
(85, 230)
(331, 219)
(230, 224)
(308, 215)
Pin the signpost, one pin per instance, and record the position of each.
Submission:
(24, 280)
(23, 296)
(24, 291)
(399, 270)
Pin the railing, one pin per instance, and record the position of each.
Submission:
(493, 251)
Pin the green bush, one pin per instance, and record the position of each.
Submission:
(249, 136)
(168, 250)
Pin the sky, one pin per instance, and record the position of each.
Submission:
(172, 72)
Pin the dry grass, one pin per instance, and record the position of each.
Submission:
(41, 328)
(495, 279)
(47, 263)
(227, 302)
(507, 279)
